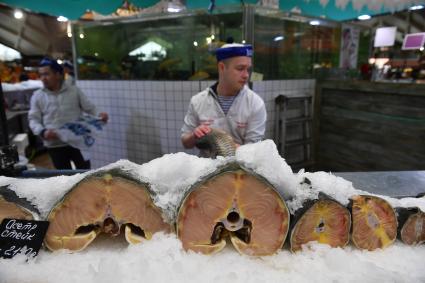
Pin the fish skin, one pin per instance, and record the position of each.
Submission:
(403, 215)
(307, 205)
(11, 196)
(217, 143)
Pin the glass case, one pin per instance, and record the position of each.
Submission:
(288, 46)
(180, 47)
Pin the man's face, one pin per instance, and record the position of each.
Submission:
(51, 80)
(235, 72)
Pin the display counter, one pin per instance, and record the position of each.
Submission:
(392, 183)
(18, 95)
(162, 258)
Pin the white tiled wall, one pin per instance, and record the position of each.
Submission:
(146, 116)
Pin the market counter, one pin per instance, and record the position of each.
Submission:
(392, 183)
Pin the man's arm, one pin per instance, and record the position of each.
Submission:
(35, 117)
(191, 130)
(256, 124)
(89, 107)
(189, 139)
(85, 104)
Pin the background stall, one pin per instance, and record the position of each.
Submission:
(143, 62)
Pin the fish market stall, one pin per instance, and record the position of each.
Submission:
(178, 184)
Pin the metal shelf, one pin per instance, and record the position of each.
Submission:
(294, 112)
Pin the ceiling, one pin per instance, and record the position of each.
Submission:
(405, 21)
(35, 34)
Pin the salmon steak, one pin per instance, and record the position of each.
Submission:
(108, 202)
(411, 226)
(374, 222)
(234, 204)
(325, 221)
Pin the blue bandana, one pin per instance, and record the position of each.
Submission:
(233, 50)
(52, 64)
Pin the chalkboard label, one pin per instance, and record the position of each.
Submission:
(21, 236)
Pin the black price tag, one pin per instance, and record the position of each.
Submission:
(17, 234)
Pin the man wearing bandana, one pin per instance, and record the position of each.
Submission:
(54, 105)
(229, 104)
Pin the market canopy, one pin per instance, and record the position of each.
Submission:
(332, 9)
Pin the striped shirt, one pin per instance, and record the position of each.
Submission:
(225, 102)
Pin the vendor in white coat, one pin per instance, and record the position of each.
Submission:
(54, 105)
(229, 104)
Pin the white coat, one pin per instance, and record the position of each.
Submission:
(245, 121)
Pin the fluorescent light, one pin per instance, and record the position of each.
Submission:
(416, 7)
(69, 30)
(314, 22)
(8, 54)
(18, 14)
(150, 51)
(380, 62)
(175, 6)
(62, 19)
(364, 17)
(278, 38)
(173, 10)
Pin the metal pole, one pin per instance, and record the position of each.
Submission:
(3, 120)
(74, 51)
(248, 13)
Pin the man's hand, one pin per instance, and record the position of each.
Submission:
(104, 116)
(189, 139)
(201, 131)
(50, 135)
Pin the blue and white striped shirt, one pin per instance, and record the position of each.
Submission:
(225, 102)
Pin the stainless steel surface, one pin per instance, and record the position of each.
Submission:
(390, 183)
(46, 173)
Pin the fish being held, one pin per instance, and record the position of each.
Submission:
(216, 143)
